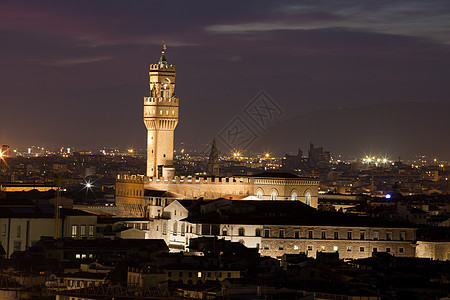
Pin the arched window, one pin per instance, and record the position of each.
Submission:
(259, 194)
(241, 232)
(308, 198)
(183, 228)
(273, 196)
(294, 196)
(175, 227)
(164, 228)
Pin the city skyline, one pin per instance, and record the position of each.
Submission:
(76, 74)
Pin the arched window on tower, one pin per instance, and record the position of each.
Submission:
(294, 196)
(273, 196)
(259, 194)
(308, 198)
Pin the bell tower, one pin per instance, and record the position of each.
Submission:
(161, 118)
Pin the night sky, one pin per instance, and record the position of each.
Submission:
(74, 73)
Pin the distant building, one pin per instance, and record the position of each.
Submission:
(317, 157)
(293, 162)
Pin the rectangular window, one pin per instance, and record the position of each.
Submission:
(91, 230)
(388, 249)
(296, 234)
(401, 250)
(349, 248)
(19, 231)
(224, 232)
(295, 247)
(83, 230)
(310, 248)
(361, 249)
(324, 235)
(266, 247)
(402, 236)
(349, 235)
(310, 234)
(229, 274)
(17, 245)
(266, 233)
(281, 234)
(375, 235)
(336, 235)
(388, 236)
(74, 231)
(322, 248)
(335, 248)
(375, 249)
(3, 229)
(281, 247)
(362, 235)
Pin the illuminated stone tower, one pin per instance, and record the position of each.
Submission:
(161, 118)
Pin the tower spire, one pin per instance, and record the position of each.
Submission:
(213, 162)
(162, 59)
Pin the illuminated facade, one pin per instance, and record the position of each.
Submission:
(161, 118)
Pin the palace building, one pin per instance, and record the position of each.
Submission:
(161, 119)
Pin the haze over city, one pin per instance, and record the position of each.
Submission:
(75, 74)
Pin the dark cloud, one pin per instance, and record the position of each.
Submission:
(75, 72)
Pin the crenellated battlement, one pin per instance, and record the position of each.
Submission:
(184, 179)
(162, 67)
(218, 180)
(160, 101)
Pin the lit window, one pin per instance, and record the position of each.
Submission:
(295, 247)
(308, 198)
(259, 194)
(199, 274)
(322, 248)
(74, 231)
(294, 196)
(83, 230)
(335, 248)
(273, 196)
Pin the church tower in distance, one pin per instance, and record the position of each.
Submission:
(161, 118)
